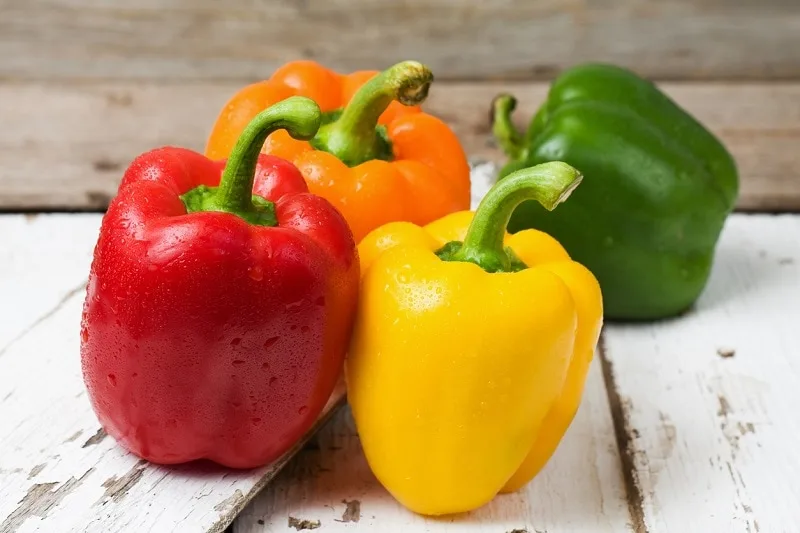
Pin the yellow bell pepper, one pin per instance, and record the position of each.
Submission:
(470, 349)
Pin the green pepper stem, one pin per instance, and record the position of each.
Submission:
(507, 135)
(299, 116)
(547, 183)
(353, 137)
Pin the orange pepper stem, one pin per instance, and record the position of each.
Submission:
(299, 116)
(548, 183)
(353, 137)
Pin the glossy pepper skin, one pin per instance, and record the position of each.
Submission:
(218, 310)
(377, 157)
(471, 348)
(658, 187)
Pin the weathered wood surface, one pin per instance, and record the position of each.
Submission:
(700, 406)
(580, 490)
(59, 471)
(66, 145)
(708, 402)
(242, 39)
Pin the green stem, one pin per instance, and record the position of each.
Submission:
(548, 183)
(503, 128)
(353, 137)
(300, 117)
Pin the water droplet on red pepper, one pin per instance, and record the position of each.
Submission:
(255, 421)
(255, 273)
(294, 306)
(236, 341)
(265, 366)
(269, 342)
(238, 362)
(272, 380)
(303, 410)
(112, 379)
(84, 334)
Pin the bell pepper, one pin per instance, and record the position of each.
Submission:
(377, 157)
(220, 302)
(658, 189)
(470, 349)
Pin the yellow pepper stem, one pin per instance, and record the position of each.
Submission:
(548, 183)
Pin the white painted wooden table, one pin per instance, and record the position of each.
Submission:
(687, 425)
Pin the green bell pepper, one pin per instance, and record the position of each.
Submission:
(657, 187)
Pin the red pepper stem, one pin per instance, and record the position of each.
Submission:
(353, 137)
(548, 183)
(298, 115)
(507, 135)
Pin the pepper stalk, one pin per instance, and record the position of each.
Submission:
(300, 117)
(548, 183)
(353, 137)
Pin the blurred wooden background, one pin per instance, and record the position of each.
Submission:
(86, 85)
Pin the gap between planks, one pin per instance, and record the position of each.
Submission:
(66, 145)
(622, 434)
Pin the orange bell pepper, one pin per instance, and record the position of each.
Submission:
(377, 157)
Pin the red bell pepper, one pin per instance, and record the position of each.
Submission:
(220, 302)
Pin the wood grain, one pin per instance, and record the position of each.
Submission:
(59, 470)
(242, 39)
(66, 145)
(708, 400)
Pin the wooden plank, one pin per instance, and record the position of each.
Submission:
(65, 146)
(59, 471)
(191, 39)
(329, 481)
(708, 400)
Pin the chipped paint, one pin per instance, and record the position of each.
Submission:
(724, 407)
(118, 488)
(353, 511)
(96, 438)
(668, 435)
(74, 436)
(39, 500)
(301, 524)
(36, 470)
(229, 503)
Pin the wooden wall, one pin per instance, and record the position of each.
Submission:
(85, 85)
(460, 39)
